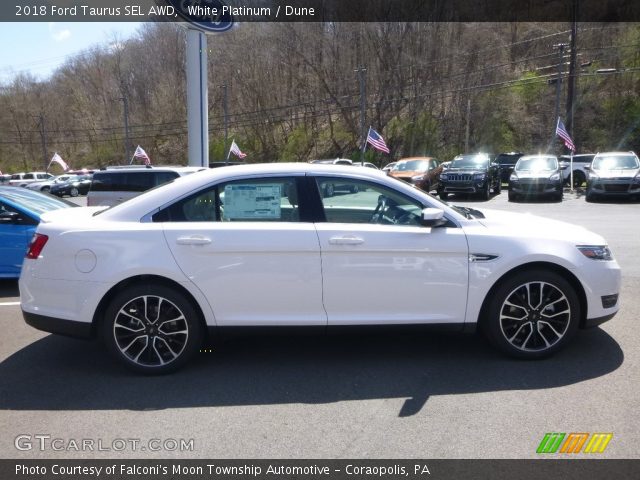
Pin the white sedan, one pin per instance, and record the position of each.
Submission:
(259, 246)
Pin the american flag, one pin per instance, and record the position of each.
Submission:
(58, 159)
(376, 140)
(235, 149)
(561, 131)
(140, 153)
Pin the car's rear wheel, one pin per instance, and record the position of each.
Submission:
(532, 314)
(443, 195)
(152, 329)
(74, 192)
(45, 189)
(512, 197)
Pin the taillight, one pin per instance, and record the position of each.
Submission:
(37, 244)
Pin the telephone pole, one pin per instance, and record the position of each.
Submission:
(560, 47)
(43, 138)
(363, 107)
(125, 100)
(571, 85)
(226, 121)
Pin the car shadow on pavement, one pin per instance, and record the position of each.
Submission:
(57, 373)
(9, 288)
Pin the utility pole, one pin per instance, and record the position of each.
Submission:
(571, 86)
(560, 47)
(43, 138)
(466, 133)
(125, 100)
(363, 107)
(226, 121)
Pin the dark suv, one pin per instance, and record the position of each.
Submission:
(474, 173)
(507, 162)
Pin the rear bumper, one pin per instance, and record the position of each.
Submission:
(58, 326)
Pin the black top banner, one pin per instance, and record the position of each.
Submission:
(221, 12)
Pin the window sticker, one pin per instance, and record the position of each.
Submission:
(252, 201)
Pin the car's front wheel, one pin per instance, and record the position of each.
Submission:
(532, 314)
(152, 329)
(74, 192)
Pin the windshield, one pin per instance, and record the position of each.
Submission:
(411, 166)
(470, 161)
(34, 201)
(536, 164)
(616, 162)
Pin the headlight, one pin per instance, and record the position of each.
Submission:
(636, 179)
(443, 176)
(418, 178)
(480, 176)
(595, 252)
(593, 176)
(555, 176)
(513, 177)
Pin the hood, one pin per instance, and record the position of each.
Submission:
(70, 214)
(465, 170)
(617, 173)
(533, 226)
(407, 173)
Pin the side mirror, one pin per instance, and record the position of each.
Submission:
(587, 167)
(9, 217)
(564, 167)
(433, 217)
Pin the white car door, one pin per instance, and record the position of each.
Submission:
(381, 266)
(242, 244)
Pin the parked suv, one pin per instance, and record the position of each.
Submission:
(474, 173)
(507, 162)
(613, 174)
(23, 179)
(536, 176)
(423, 172)
(113, 185)
(578, 165)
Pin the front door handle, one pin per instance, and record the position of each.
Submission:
(194, 240)
(346, 240)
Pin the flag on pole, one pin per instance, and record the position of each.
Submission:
(236, 150)
(58, 159)
(561, 131)
(140, 153)
(376, 140)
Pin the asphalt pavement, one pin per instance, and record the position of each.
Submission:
(427, 396)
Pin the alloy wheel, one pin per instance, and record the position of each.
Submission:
(535, 316)
(150, 331)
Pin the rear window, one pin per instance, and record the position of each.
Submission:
(122, 181)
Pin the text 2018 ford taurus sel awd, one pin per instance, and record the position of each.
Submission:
(259, 246)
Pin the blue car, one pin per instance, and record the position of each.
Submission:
(20, 211)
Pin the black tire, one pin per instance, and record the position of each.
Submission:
(486, 193)
(516, 322)
(45, 189)
(443, 195)
(74, 192)
(513, 197)
(173, 342)
(578, 178)
(498, 188)
(558, 197)
(590, 196)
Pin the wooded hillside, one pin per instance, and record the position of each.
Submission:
(293, 93)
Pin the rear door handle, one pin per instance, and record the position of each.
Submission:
(194, 240)
(346, 240)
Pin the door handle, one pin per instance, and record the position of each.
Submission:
(346, 240)
(194, 240)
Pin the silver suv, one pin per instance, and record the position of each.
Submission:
(613, 174)
(113, 185)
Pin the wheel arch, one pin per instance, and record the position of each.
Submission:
(98, 315)
(553, 267)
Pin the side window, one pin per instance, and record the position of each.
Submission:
(251, 200)
(365, 202)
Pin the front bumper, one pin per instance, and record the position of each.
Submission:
(535, 188)
(615, 187)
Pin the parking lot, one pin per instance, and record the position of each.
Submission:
(428, 396)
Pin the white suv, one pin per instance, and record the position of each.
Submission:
(23, 179)
(113, 185)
